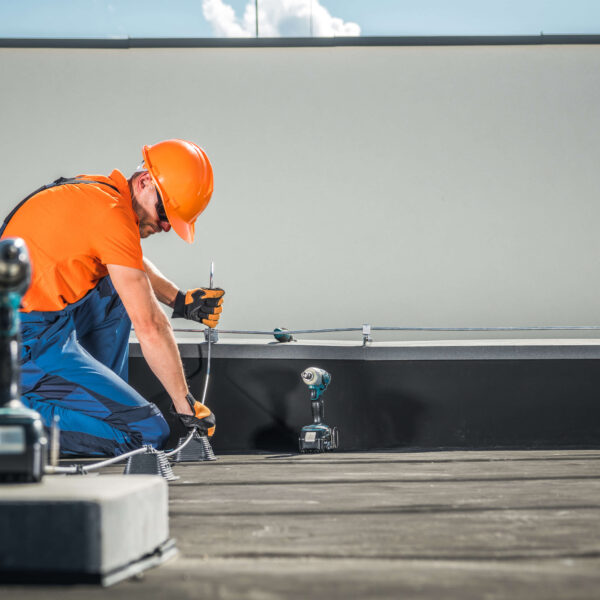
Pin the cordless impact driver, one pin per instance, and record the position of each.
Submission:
(317, 437)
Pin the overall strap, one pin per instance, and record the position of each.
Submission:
(58, 182)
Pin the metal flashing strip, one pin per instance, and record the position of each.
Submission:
(298, 42)
(573, 349)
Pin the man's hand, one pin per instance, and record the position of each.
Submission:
(201, 304)
(203, 420)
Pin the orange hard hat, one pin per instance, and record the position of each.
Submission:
(183, 175)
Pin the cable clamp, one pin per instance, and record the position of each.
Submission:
(366, 333)
(211, 334)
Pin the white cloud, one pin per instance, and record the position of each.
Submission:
(276, 18)
(222, 18)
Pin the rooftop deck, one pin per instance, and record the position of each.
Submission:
(493, 524)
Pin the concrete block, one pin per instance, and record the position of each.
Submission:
(82, 528)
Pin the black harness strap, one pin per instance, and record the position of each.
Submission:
(56, 183)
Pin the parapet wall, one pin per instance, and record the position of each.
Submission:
(494, 394)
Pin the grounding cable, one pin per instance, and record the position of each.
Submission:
(82, 469)
(346, 329)
(116, 459)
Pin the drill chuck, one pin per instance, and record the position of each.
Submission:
(317, 381)
(15, 268)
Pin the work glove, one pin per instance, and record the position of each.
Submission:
(201, 304)
(203, 420)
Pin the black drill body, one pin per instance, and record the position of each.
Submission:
(318, 407)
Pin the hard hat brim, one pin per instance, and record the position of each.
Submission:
(184, 230)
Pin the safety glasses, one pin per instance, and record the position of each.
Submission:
(160, 208)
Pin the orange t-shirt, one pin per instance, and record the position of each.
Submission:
(72, 232)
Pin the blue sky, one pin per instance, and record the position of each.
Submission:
(188, 18)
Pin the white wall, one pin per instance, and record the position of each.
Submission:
(440, 186)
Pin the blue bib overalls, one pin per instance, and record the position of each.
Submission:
(75, 365)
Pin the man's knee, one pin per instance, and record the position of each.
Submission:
(156, 433)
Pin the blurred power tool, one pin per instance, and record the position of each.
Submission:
(22, 437)
(317, 437)
(283, 335)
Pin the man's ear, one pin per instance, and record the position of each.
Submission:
(142, 181)
(145, 180)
